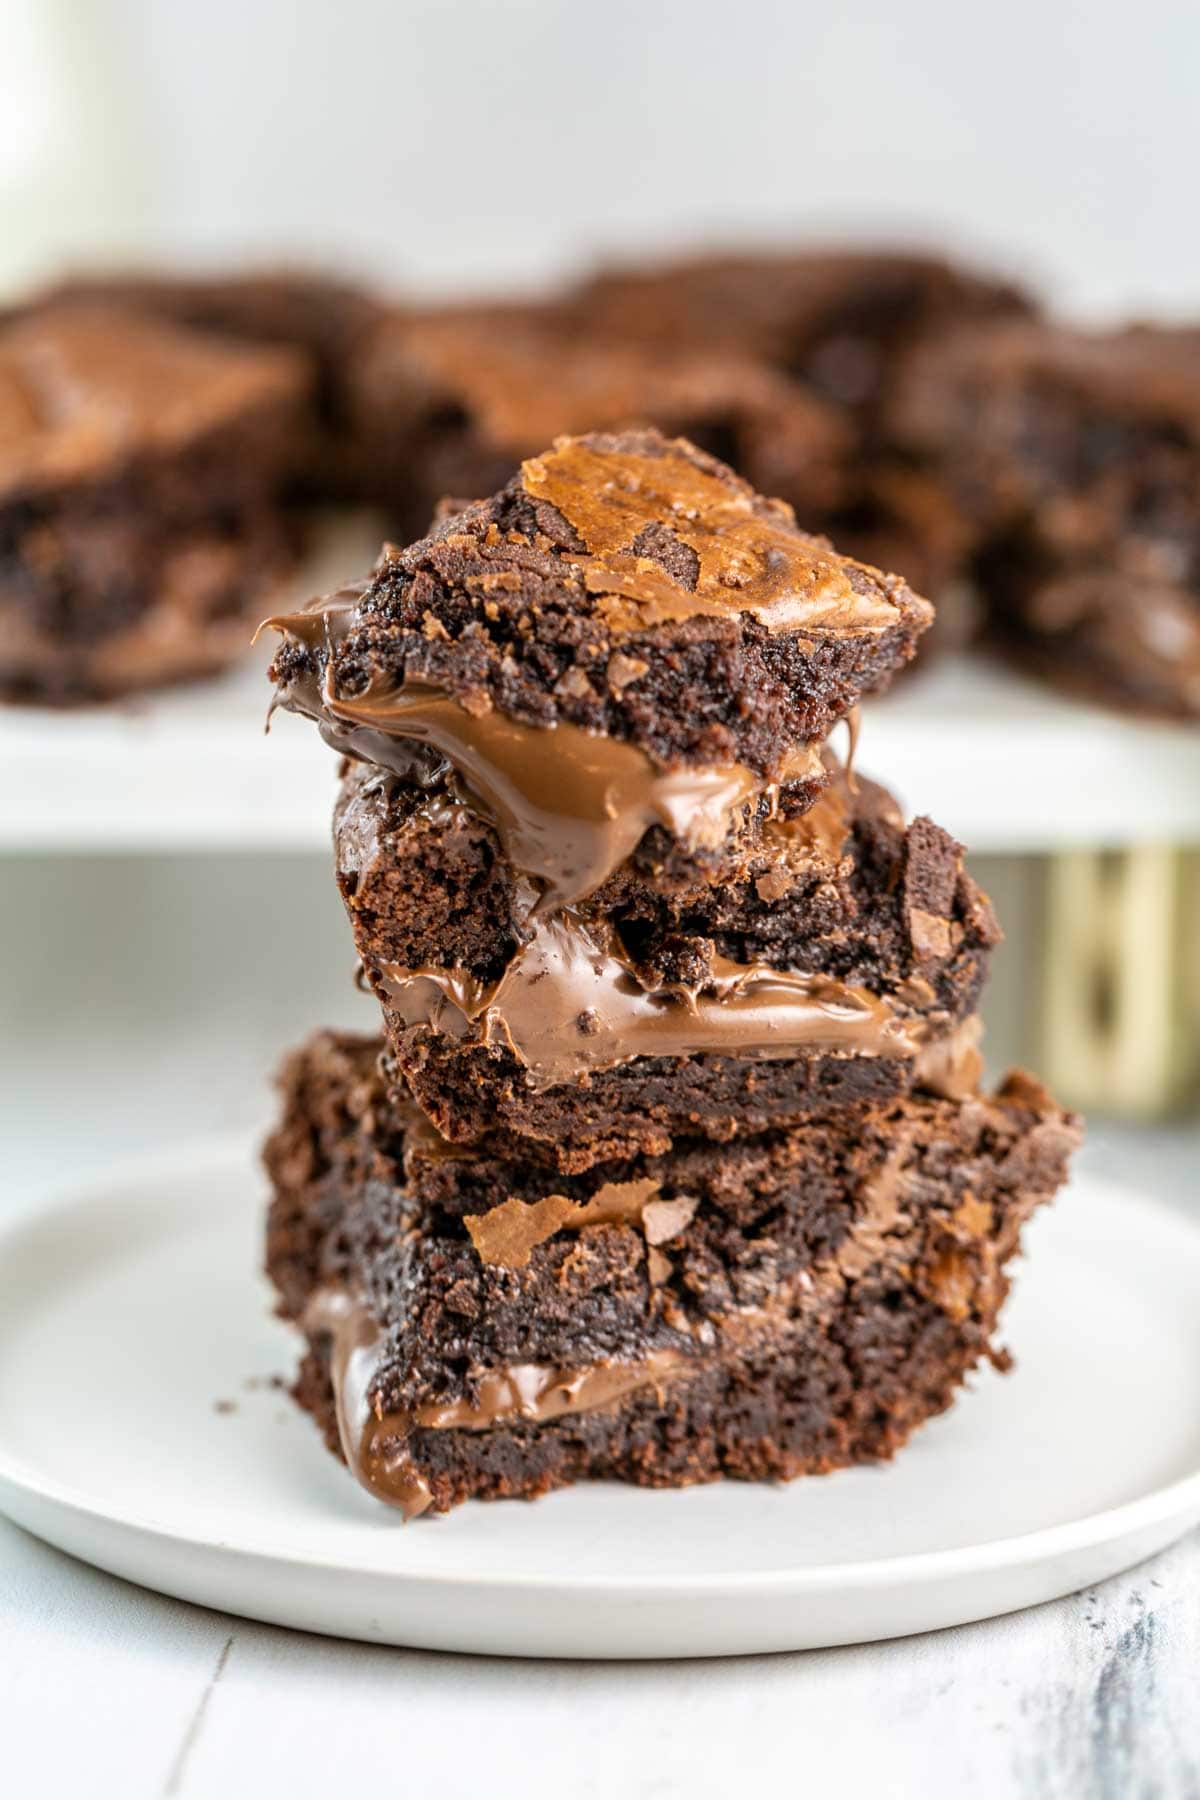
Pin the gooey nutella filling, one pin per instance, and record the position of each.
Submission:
(570, 1005)
(570, 806)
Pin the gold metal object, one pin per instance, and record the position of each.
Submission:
(1120, 961)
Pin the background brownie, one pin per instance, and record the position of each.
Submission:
(840, 325)
(629, 585)
(142, 468)
(452, 402)
(901, 513)
(1077, 457)
(838, 320)
(315, 314)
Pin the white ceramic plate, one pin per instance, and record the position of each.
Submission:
(131, 1317)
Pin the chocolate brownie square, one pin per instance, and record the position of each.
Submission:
(629, 587)
(142, 472)
(1077, 455)
(319, 316)
(806, 965)
(839, 320)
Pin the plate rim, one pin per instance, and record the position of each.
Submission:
(917, 1568)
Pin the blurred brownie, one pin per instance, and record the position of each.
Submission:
(903, 516)
(627, 587)
(452, 402)
(840, 325)
(1077, 457)
(318, 316)
(142, 468)
(838, 320)
(764, 1310)
(807, 965)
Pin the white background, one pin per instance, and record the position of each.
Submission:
(482, 140)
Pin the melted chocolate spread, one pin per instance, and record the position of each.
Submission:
(570, 1005)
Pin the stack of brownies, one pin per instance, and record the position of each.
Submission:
(671, 1162)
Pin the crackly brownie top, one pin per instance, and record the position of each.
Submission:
(1036, 408)
(828, 316)
(629, 586)
(86, 387)
(513, 378)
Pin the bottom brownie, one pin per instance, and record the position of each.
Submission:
(777, 1306)
(845, 1386)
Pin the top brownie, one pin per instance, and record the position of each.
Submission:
(629, 585)
(836, 319)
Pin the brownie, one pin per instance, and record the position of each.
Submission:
(658, 1005)
(1077, 457)
(142, 470)
(317, 315)
(838, 320)
(778, 1306)
(452, 402)
(630, 587)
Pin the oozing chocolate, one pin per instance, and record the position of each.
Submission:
(570, 1004)
(569, 805)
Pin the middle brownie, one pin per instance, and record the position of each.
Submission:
(794, 968)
